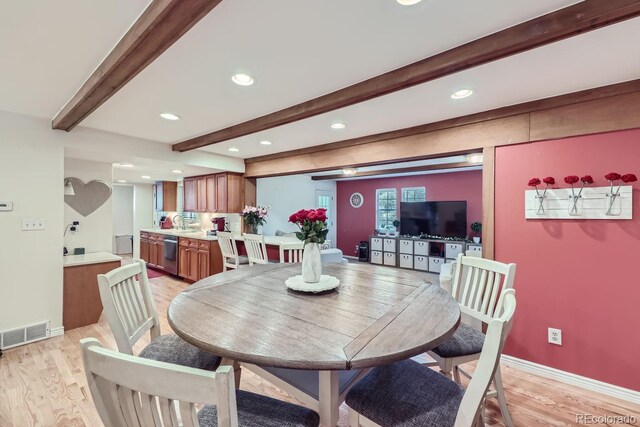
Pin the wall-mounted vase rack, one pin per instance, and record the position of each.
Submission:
(593, 203)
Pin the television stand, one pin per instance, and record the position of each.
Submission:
(414, 253)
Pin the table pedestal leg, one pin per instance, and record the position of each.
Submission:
(328, 397)
(237, 372)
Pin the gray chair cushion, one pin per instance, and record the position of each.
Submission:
(243, 260)
(171, 348)
(255, 410)
(406, 394)
(464, 341)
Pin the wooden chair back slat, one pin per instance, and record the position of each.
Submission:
(478, 284)
(497, 331)
(135, 392)
(291, 252)
(229, 250)
(128, 304)
(256, 249)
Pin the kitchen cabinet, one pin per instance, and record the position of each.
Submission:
(152, 249)
(212, 194)
(190, 195)
(165, 194)
(198, 259)
(201, 190)
(144, 247)
(222, 192)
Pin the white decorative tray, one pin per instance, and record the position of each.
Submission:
(326, 283)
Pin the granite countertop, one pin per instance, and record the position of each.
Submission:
(269, 240)
(201, 235)
(90, 258)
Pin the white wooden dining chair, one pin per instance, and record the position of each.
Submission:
(229, 250)
(407, 393)
(478, 284)
(256, 249)
(131, 312)
(132, 391)
(291, 252)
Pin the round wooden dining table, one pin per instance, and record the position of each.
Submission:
(315, 346)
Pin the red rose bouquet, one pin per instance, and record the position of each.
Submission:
(534, 182)
(612, 177)
(572, 179)
(312, 224)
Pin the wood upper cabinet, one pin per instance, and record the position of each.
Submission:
(212, 192)
(222, 192)
(190, 195)
(201, 199)
(166, 196)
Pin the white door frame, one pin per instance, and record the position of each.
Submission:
(332, 223)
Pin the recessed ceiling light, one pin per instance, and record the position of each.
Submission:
(146, 177)
(474, 158)
(265, 142)
(169, 116)
(338, 125)
(462, 93)
(234, 149)
(176, 171)
(349, 171)
(126, 165)
(242, 79)
(408, 2)
(122, 181)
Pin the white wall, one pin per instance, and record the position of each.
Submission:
(96, 230)
(286, 195)
(122, 208)
(31, 176)
(142, 213)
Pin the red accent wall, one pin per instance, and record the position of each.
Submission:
(576, 275)
(356, 224)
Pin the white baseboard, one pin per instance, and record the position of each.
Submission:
(56, 332)
(355, 258)
(573, 379)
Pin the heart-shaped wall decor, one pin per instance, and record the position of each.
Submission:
(89, 196)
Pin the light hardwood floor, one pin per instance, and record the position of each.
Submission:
(43, 384)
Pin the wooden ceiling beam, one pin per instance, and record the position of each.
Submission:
(592, 94)
(576, 19)
(413, 169)
(161, 24)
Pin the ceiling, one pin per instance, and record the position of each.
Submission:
(402, 165)
(295, 51)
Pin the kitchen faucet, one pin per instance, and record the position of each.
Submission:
(182, 223)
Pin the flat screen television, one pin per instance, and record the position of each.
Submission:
(446, 219)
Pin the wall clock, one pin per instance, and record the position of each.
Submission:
(356, 200)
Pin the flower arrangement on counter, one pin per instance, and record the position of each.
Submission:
(312, 224)
(255, 216)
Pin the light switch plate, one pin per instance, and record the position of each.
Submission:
(34, 224)
(6, 206)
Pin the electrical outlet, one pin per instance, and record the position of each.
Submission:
(41, 224)
(555, 336)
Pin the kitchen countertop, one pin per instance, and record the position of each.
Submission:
(269, 240)
(90, 258)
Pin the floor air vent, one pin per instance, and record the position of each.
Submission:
(25, 335)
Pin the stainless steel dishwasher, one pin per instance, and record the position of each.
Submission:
(171, 254)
